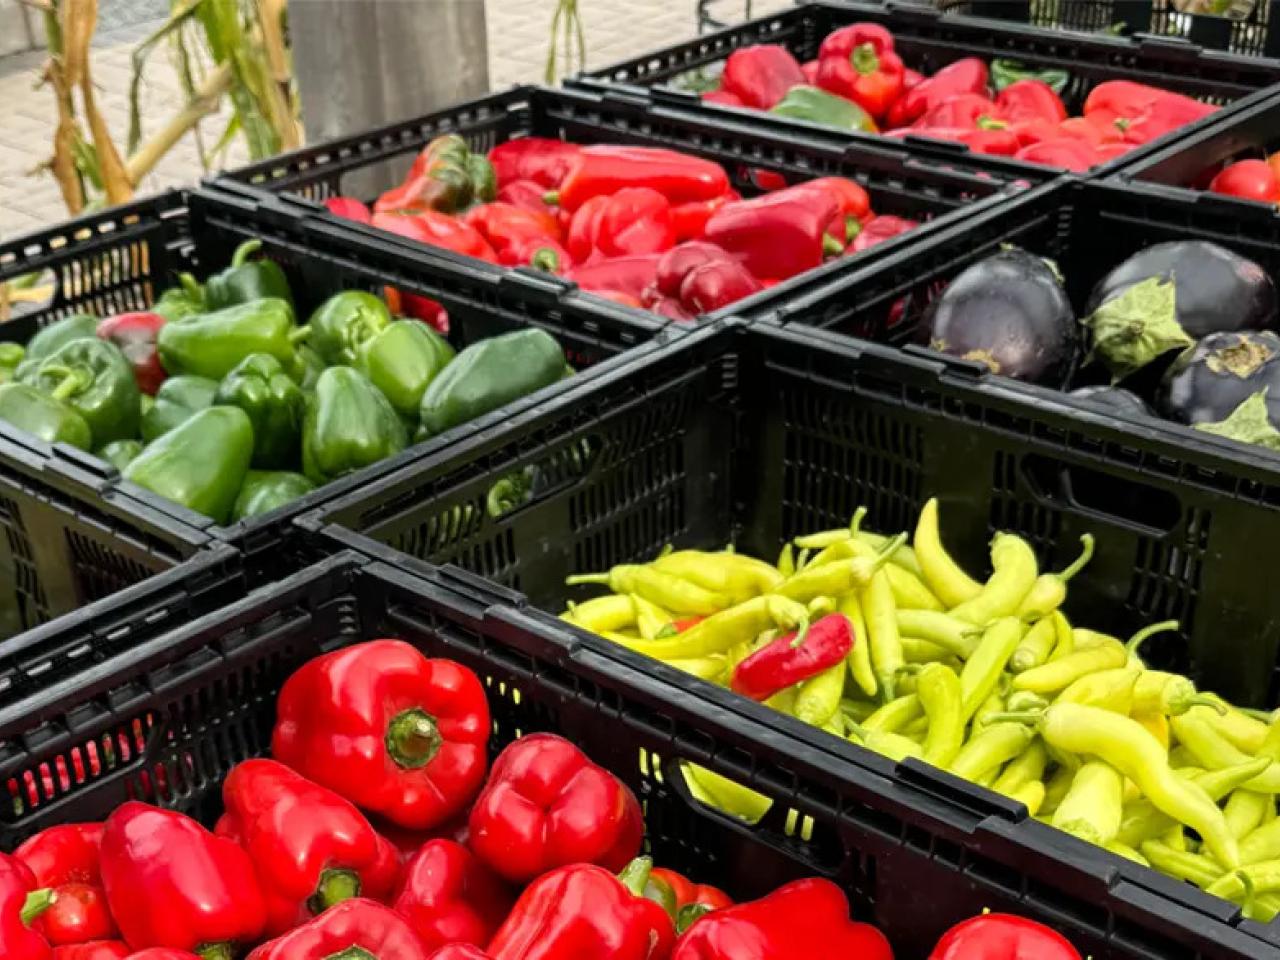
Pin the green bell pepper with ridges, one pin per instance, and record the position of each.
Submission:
(211, 344)
(488, 375)
(177, 401)
(119, 453)
(310, 366)
(185, 300)
(265, 490)
(200, 464)
(344, 323)
(275, 404)
(402, 360)
(349, 425)
(94, 379)
(817, 106)
(39, 414)
(246, 280)
(1005, 72)
(54, 337)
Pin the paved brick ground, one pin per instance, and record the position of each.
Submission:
(518, 29)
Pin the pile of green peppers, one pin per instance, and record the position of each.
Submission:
(219, 400)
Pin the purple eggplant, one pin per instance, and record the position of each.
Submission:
(1210, 381)
(1166, 297)
(1009, 312)
(1113, 400)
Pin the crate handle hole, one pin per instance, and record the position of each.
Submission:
(1117, 500)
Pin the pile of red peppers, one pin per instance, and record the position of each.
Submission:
(963, 102)
(644, 226)
(379, 831)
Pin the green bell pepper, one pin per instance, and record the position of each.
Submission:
(185, 300)
(265, 490)
(11, 357)
(275, 405)
(484, 179)
(212, 344)
(1005, 72)
(94, 379)
(246, 280)
(310, 366)
(817, 106)
(39, 414)
(402, 360)
(200, 464)
(488, 375)
(54, 337)
(342, 324)
(349, 425)
(119, 453)
(177, 401)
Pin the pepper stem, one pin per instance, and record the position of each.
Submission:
(1211, 700)
(70, 381)
(244, 252)
(831, 247)
(413, 739)
(1022, 716)
(635, 875)
(1086, 554)
(352, 953)
(580, 578)
(191, 286)
(864, 58)
(215, 951)
(37, 902)
(334, 887)
(1140, 637)
(856, 523)
(300, 334)
(545, 259)
(551, 198)
(690, 914)
(852, 227)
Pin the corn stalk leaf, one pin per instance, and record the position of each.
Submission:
(138, 58)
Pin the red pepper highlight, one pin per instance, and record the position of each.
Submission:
(546, 804)
(449, 896)
(353, 930)
(717, 284)
(394, 732)
(604, 170)
(964, 76)
(540, 159)
(879, 229)
(348, 208)
(634, 220)
(690, 219)
(995, 936)
(761, 75)
(777, 235)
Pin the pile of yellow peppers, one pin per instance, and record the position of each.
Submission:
(987, 680)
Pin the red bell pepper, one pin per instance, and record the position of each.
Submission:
(794, 657)
(1068, 152)
(690, 219)
(722, 97)
(871, 78)
(1165, 116)
(448, 895)
(1030, 100)
(437, 229)
(527, 195)
(500, 223)
(68, 853)
(1000, 936)
(392, 731)
(676, 263)
(135, 335)
(606, 169)
(911, 79)
(349, 208)
(20, 905)
(845, 40)
(79, 913)
(799, 921)
(716, 284)
(547, 805)
(163, 953)
(668, 307)
(585, 912)
(810, 70)
(999, 143)
(627, 275)
(353, 930)
(634, 220)
(689, 901)
(964, 110)
(964, 76)
(540, 253)
(853, 201)
(94, 950)
(311, 848)
(172, 883)
(540, 159)
(459, 951)
(761, 75)
(779, 234)
(1249, 180)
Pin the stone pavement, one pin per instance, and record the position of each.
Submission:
(517, 29)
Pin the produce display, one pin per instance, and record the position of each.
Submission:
(900, 650)
(380, 831)
(860, 82)
(1184, 330)
(219, 400)
(644, 226)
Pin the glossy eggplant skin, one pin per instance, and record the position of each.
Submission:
(1010, 312)
(1216, 290)
(1210, 380)
(1113, 400)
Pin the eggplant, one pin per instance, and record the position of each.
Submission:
(1010, 312)
(1254, 421)
(1113, 400)
(1207, 383)
(1167, 297)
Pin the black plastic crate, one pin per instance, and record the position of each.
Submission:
(289, 187)
(1250, 28)
(194, 696)
(927, 39)
(64, 545)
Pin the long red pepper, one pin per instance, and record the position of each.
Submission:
(793, 657)
(606, 169)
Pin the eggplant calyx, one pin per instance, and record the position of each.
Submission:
(1242, 359)
(1248, 423)
(1138, 325)
(985, 357)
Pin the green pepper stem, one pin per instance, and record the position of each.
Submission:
(70, 381)
(1211, 700)
(1265, 716)
(551, 198)
(578, 579)
(215, 951)
(413, 739)
(1164, 626)
(37, 902)
(352, 953)
(856, 523)
(831, 247)
(334, 887)
(191, 286)
(300, 334)
(1020, 716)
(690, 914)
(635, 875)
(244, 252)
(545, 259)
(1086, 554)
(864, 59)
(852, 227)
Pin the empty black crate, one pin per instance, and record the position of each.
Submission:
(898, 183)
(928, 39)
(64, 544)
(195, 696)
